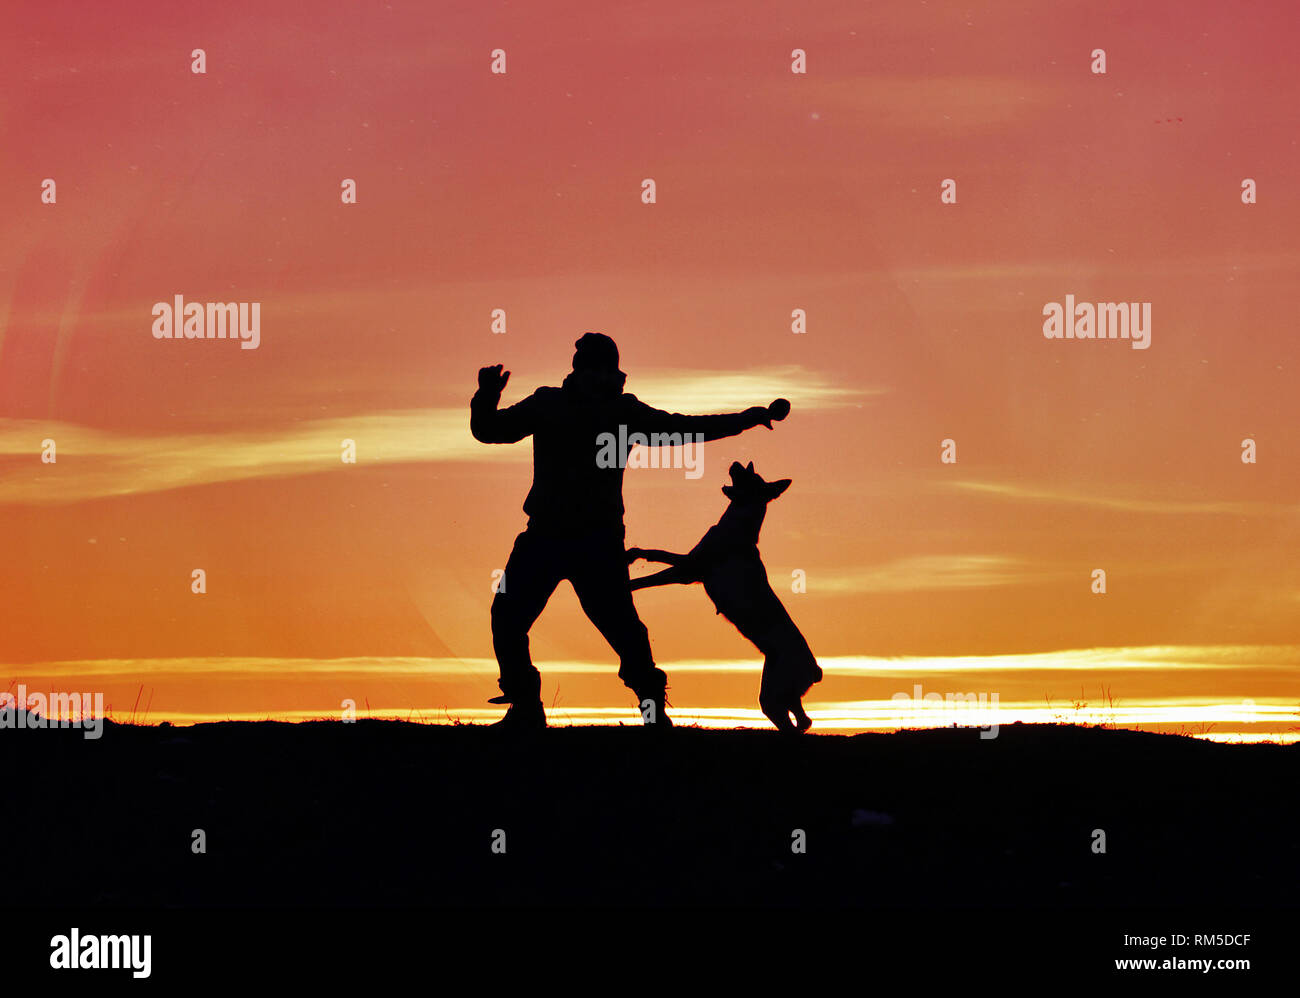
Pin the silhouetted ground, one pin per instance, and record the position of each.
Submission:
(386, 813)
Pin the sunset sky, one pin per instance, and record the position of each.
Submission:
(775, 191)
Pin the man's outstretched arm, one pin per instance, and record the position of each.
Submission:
(491, 425)
(647, 419)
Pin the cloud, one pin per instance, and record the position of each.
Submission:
(696, 392)
(925, 573)
(1177, 506)
(1191, 267)
(1248, 719)
(1233, 659)
(923, 103)
(94, 463)
(100, 463)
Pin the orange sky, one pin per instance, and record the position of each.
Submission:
(775, 191)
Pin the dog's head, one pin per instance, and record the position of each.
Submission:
(747, 486)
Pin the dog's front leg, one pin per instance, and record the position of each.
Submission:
(665, 578)
(654, 554)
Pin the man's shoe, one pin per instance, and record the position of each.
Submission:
(529, 716)
(653, 713)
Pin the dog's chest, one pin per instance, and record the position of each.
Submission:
(735, 579)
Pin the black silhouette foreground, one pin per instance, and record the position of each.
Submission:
(600, 816)
(575, 516)
(727, 562)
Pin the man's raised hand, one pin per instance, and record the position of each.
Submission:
(763, 415)
(493, 379)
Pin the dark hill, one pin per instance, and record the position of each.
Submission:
(380, 812)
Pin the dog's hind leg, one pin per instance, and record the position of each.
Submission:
(801, 719)
(779, 714)
(779, 698)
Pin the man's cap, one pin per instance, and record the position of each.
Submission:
(595, 352)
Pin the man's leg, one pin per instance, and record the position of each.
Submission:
(600, 578)
(532, 573)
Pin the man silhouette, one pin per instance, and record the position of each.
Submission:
(575, 516)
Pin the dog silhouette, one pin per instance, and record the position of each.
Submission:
(727, 562)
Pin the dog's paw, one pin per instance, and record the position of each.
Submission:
(779, 711)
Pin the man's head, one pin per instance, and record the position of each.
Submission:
(595, 368)
(595, 352)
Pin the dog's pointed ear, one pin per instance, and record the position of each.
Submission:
(750, 466)
(727, 491)
(774, 489)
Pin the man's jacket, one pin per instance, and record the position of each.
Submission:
(571, 490)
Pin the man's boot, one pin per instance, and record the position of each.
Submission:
(528, 715)
(652, 704)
